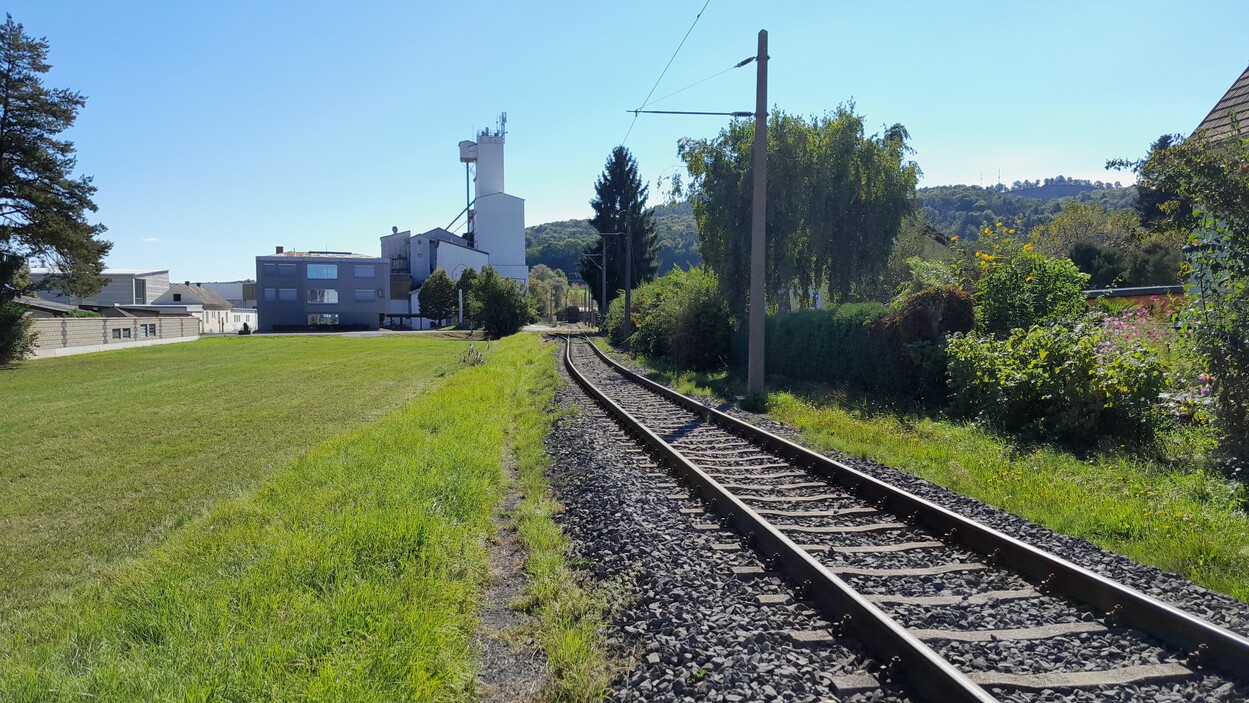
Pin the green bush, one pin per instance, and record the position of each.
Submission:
(17, 339)
(915, 330)
(1019, 287)
(1055, 382)
(500, 304)
(833, 345)
(680, 316)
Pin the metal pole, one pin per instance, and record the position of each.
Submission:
(628, 319)
(758, 220)
(602, 309)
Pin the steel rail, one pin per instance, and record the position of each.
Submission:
(1208, 644)
(931, 677)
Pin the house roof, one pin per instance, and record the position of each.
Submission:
(1218, 124)
(105, 272)
(209, 298)
(47, 306)
(317, 255)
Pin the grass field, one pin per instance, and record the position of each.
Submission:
(1180, 520)
(271, 518)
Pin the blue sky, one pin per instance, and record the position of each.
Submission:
(216, 131)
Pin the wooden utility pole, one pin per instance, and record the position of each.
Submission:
(758, 220)
(628, 311)
(602, 309)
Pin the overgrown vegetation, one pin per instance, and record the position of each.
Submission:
(680, 316)
(500, 305)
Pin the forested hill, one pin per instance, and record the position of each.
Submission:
(560, 244)
(963, 210)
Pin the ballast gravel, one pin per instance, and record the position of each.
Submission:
(690, 629)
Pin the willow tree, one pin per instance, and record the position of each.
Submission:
(835, 202)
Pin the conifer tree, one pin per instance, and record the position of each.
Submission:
(42, 205)
(620, 206)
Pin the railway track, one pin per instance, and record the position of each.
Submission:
(943, 599)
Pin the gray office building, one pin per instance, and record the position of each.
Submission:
(321, 290)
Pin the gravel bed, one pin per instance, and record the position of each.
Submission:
(691, 629)
(1205, 689)
(1069, 653)
(909, 559)
(1003, 615)
(956, 584)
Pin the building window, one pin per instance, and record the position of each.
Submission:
(117, 334)
(328, 296)
(271, 269)
(365, 270)
(271, 294)
(286, 269)
(177, 297)
(125, 333)
(146, 330)
(323, 271)
(365, 295)
(288, 295)
(140, 291)
(323, 319)
(236, 318)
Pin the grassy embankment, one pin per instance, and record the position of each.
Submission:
(220, 547)
(1185, 521)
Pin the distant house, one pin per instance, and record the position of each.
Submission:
(125, 287)
(216, 314)
(241, 294)
(321, 290)
(1234, 104)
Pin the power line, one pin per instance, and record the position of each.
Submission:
(665, 71)
(721, 73)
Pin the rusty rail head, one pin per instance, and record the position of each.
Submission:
(931, 677)
(1219, 648)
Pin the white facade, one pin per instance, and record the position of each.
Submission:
(497, 218)
(125, 287)
(210, 321)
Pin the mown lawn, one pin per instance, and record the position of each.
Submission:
(351, 571)
(1179, 519)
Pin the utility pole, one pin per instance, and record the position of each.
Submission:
(628, 311)
(602, 308)
(758, 220)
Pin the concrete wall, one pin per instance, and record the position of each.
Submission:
(80, 335)
(455, 259)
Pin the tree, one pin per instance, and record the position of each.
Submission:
(42, 206)
(498, 303)
(620, 206)
(549, 288)
(437, 296)
(835, 203)
(1086, 222)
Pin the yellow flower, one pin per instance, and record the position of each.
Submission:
(954, 238)
(1029, 278)
(1010, 231)
(998, 224)
(1027, 247)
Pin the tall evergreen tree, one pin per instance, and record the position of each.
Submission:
(42, 206)
(620, 206)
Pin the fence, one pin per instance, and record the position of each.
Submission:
(61, 336)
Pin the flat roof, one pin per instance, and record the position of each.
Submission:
(105, 272)
(318, 255)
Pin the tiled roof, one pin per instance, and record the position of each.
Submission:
(1218, 124)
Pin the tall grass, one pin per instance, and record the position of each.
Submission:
(352, 573)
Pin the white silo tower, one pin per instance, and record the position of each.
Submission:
(498, 218)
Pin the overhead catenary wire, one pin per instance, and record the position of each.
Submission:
(665, 71)
(739, 64)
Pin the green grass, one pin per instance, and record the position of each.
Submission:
(352, 572)
(104, 454)
(1179, 519)
(569, 613)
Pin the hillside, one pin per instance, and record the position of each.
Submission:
(964, 210)
(560, 244)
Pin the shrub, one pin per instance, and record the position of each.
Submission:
(1055, 382)
(1020, 287)
(680, 316)
(914, 331)
(833, 345)
(499, 304)
(17, 339)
